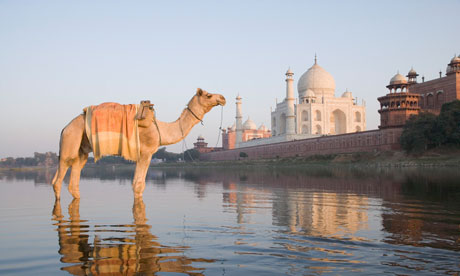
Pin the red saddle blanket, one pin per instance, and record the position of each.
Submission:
(113, 130)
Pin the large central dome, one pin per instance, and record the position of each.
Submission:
(318, 80)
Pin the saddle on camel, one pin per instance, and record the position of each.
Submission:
(112, 128)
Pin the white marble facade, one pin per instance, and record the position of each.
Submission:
(317, 111)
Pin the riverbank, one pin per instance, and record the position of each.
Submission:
(445, 157)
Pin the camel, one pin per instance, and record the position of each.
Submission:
(74, 145)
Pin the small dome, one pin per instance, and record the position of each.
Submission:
(289, 72)
(263, 127)
(347, 94)
(455, 59)
(233, 127)
(238, 98)
(398, 79)
(412, 72)
(310, 94)
(200, 137)
(249, 124)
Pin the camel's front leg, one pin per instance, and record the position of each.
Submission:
(142, 167)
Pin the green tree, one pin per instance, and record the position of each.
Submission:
(417, 133)
(191, 155)
(427, 130)
(449, 121)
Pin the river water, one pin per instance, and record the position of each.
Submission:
(250, 221)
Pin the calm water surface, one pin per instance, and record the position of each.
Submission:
(255, 221)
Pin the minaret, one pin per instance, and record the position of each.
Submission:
(239, 123)
(290, 116)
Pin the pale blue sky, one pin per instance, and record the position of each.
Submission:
(57, 57)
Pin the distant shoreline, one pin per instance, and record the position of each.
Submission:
(449, 158)
(438, 158)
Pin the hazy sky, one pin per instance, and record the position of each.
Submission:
(57, 57)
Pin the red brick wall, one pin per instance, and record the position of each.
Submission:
(450, 85)
(366, 141)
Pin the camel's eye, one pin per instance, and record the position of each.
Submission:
(209, 96)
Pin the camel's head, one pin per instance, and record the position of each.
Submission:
(208, 100)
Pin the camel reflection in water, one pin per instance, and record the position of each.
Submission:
(135, 252)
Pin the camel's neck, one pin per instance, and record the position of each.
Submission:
(176, 131)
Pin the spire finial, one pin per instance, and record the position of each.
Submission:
(315, 59)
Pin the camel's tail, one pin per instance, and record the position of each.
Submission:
(59, 158)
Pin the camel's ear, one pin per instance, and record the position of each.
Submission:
(199, 92)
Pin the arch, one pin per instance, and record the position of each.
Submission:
(430, 101)
(304, 129)
(318, 115)
(338, 122)
(304, 116)
(358, 128)
(282, 123)
(439, 98)
(357, 116)
(318, 129)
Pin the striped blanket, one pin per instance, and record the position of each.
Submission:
(112, 130)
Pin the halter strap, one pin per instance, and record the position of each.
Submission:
(194, 115)
(158, 129)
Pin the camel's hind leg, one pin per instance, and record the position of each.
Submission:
(69, 153)
(77, 166)
(58, 178)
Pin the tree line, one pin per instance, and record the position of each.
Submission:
(427, 131)
(46, 159)
(50, 159)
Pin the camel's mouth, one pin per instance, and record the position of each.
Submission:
(221, 101)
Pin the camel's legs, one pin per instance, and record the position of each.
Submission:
(77, 166)
(59, 177)
(69, 152)
(142, 167)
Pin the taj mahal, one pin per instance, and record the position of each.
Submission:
(316, 112)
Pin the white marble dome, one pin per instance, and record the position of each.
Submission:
(249, 124)
(318, 80)
(398, 79)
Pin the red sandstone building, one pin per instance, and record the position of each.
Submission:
(250, 131)
(202, 147)
(407, 97)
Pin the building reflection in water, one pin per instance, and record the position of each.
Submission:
(311, 205)
(323, 213)
(134, 251)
